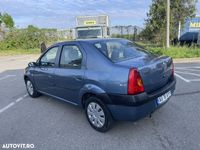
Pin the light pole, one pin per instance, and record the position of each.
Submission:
(179, 29)
(168, 24)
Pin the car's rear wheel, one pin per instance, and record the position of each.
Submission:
(31, 89)
(98, 115)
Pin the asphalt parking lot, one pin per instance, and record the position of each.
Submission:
(55, 125)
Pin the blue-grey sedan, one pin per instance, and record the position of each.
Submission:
(111, 79)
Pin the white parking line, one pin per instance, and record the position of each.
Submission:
(8, 106)
(187, 69)
(7, 76)
(21, 98)
(12, 103)
(192, 80)
(194, 74)
(179, 76)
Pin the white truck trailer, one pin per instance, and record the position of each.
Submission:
(92, 27)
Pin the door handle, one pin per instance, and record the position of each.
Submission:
(43, 68)
(78, 78)
(50, 76)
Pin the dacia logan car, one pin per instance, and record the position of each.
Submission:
(111, 79)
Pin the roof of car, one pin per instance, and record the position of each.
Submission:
(98, 39)
(93, 40)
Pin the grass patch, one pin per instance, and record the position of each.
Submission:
(174, 51)
(19, 51)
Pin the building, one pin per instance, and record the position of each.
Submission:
(64, 34)
(190, 31)
(125, 30)
(191, 25)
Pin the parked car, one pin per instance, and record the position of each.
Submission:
(112, 79)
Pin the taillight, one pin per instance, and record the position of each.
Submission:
(135, 85)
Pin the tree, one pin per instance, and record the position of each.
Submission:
(156, 18)
(0, 19)
(7, 19)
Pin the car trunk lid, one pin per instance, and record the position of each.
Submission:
(155, 71)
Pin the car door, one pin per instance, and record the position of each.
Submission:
(69, 76)
(44, 73)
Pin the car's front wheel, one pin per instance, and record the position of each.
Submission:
(98, 115)
(31, 89)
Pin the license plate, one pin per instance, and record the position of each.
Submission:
(164, 98)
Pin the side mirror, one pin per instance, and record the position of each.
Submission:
(32, 64)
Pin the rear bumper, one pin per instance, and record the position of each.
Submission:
(131, 108)
(133, 113)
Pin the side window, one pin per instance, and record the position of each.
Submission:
(49, 58)
(71, 57)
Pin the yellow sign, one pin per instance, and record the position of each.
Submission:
(90, 22)
(194, 24)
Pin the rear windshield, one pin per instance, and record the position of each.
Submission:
(120, 50)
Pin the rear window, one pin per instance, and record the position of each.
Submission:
(120, 50)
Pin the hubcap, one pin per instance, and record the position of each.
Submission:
(29, 87)
(96, 114)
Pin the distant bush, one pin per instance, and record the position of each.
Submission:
(173, 51)
(28, 38)
(178, 52)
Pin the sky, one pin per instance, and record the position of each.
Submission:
(61, 14)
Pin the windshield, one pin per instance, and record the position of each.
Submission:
(89, 33)
(120, 50)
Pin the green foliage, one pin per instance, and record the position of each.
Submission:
(24, 39)
(7, 19)
(178, 52)
(19, 51)
(155, 30)
(28, 38)
(173, 51)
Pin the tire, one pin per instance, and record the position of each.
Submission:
(98, 114)
(31, 89)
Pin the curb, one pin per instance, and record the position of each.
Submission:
(176, 60)
(187, 60)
